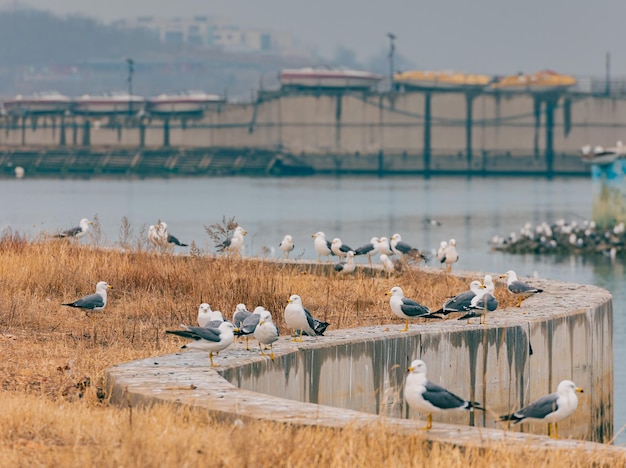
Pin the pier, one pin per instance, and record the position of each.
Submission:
(425, 133)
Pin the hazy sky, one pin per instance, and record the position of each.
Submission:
(492, 36)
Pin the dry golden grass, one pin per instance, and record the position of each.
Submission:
(53, 411)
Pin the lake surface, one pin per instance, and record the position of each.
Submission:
(471, 210)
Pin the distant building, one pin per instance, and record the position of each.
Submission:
(209, 32)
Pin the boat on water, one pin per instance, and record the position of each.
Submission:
(184, 102)
(542, 81)
(108, 103)
(601, 155)
(447, 80)
(329, 78)
(49, 102)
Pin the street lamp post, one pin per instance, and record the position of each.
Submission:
(131, 69)
(392, 50)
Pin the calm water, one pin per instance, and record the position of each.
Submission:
(355, 209)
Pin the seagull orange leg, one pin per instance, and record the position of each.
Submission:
(406, 326)
(429, 423)
(211, 359)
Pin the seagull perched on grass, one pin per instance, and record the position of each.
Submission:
(427, 397)
(286, 245)
(339, 248)
(519, 288)
(322, 246)
(167, 238)
(212, 340)
(406, 308)
(368, 249)
(384, 247)
(234, 243)
(92, 302)
(76, 232)
(551, 408)
(401, 248)
(266, 332)
(346, 267)
(441, 252)
(450, 255)
(300, 320)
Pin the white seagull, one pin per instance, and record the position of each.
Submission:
(204, 314)
(286, 245)
(212, 340)
(384, 247)
(266, 332)
(388, 265)
(166, 237)
(234, 243)
(519, 288)
(401, 248)
(551, 408)
(322, 246)
(339, 248)
(368, 249)
(484, 301)
(346, 267)
(92, 302)
(300, 320)
(450, 255)
(427, 397)
(463, 301)
(406, 308)
(76, 232)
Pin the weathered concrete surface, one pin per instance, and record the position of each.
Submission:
(351, 375)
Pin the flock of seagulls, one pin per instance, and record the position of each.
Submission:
(214, 334)
(563, 237)
(386, 248)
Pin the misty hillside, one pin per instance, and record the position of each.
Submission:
(40, 38)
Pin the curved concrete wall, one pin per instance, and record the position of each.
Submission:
(518, 356)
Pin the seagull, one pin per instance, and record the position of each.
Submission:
(250, 323)
(406, 308)
(401, 248)
(450, 255)
(432, 222)
(234, 243)
(76, 232)
(299, 319)
(368, 249)
(339, 248)
(204, 314)
(482, 302)
(346, 267)
(212, 340)
(519, 288)
(166, 237)
(441, 252)
(427, 397)
(461, 302)
(92, 302)
(266, 332)
(384, 247)
(388, 265)
(286, 245)
(551, 408)
(240, 314)
(322, 246)
(154, 236)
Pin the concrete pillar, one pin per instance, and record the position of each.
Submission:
(609, 193)
(427, 123)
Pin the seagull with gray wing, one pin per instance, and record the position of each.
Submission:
(212, 340)
(92, 302)
(300, 320)
(427, 397)
(406, 308)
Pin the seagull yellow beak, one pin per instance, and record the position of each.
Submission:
(502, 276)
(314, 235)
(110, 287)
(261, 322)
(388, 293)
(580, 390)
(289, 301)
(410, 369)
